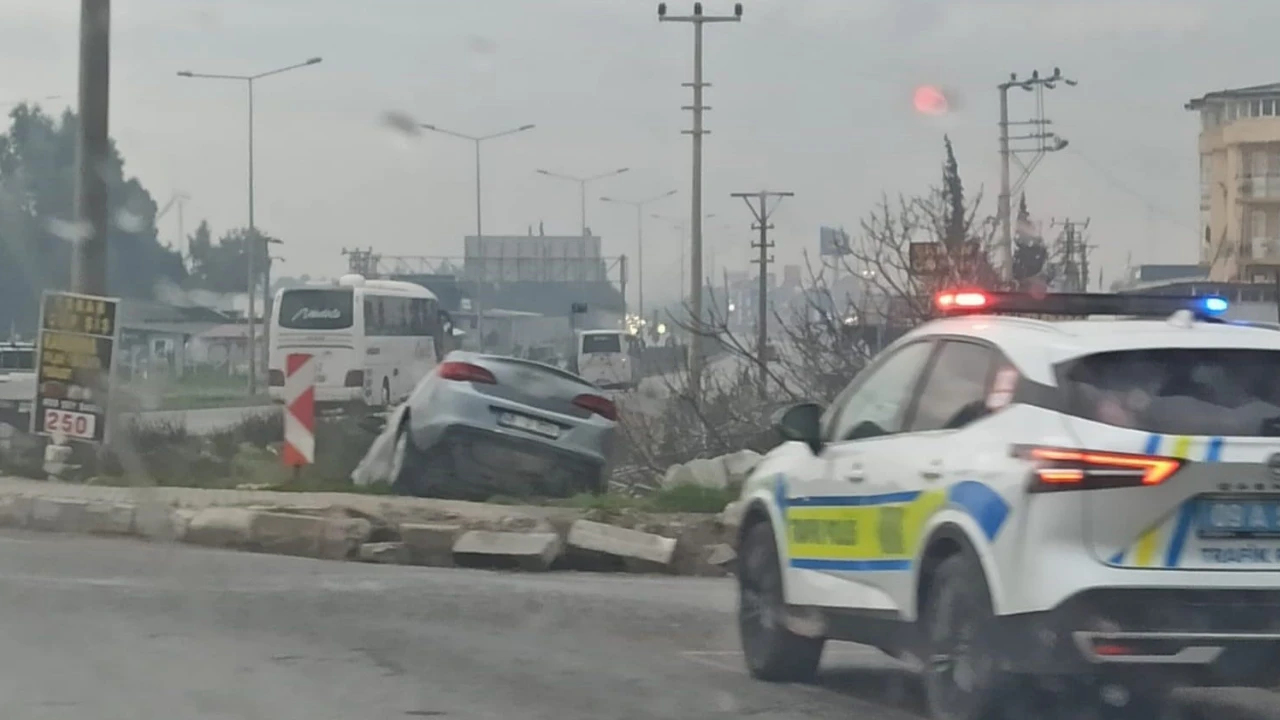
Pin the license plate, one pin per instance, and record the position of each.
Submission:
(1239, 519)
(528, 424)
(76, 425)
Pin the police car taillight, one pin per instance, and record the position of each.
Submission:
(1058, 469)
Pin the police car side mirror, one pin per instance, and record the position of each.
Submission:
(801, 423)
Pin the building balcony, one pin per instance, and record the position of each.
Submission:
(1260, 188)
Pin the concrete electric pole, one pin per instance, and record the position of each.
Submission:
(762, 215)
(697, 19)
(89, 247)
(1037, 143)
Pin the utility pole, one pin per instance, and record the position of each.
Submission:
(1037, 143)
(762, 224)
(697, 19)
(1072, 254)
(89, 250)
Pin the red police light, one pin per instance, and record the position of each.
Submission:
(961, 300)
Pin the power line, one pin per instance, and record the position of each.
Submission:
(1115, 182)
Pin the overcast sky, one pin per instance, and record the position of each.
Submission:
(811, 96)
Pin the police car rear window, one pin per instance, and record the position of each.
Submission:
(1178, 391)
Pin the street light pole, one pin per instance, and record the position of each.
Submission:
(639, 206)
(477, 140)
(251, 249)
(697, 19)
(582, 188)
(683, 227)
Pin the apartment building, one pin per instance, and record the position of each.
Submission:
(1239, 229)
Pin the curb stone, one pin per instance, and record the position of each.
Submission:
(622, 542)
(530, 551)
(322, 526)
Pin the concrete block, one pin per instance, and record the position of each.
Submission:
(284, 534)
(622, 542)
(108, 518)
(157, 521)
(342, 537)
(535, 551)
(58, 514)
(720, 555)
(429, 543)
(390, 553)
(15, 510)
(220, 527)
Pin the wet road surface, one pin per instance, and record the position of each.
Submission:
(109, 629)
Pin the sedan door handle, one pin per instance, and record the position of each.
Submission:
(933, 472)
(855, 474)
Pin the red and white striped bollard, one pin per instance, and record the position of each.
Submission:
(299, 411)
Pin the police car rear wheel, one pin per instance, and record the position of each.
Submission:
(963, 678)
(772, 652)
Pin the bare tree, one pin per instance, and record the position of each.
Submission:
(906, 250)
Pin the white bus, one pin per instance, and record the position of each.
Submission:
(607, 358)
(372, 340)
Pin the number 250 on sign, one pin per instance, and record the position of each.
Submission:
(71, 424)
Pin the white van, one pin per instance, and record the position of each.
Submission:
(17, 382)
(607, 358)
(373, 340)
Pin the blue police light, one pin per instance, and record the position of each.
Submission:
(1214, 305)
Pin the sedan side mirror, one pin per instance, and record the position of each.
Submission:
(801, 423)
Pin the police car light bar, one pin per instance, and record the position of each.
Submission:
(961, 302)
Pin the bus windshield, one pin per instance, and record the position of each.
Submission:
(316, 309)
(602, 343)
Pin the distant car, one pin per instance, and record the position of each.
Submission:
(483, 425)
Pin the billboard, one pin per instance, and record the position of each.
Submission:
(833, 242)
(78, 335)
(536, 258)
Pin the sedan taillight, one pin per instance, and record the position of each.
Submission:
(601, 406)
(465, 372)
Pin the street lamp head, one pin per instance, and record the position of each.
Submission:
(669, 194)
(607, 199)
(185, 73)
(621, 170)
(522, 128)
(737, 9)
(314, 60)
(542, 172)
(662, 10)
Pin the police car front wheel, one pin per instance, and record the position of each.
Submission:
(771, 650)
(963, 674)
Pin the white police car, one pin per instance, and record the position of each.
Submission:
(1091, 504)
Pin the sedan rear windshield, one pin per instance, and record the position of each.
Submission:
(320, 309)
(1178, 391)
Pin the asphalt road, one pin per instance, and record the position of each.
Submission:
(118, 629)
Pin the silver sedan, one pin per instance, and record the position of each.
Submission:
(484, 425)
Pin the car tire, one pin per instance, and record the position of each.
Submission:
(772, 652)
(964, 677)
